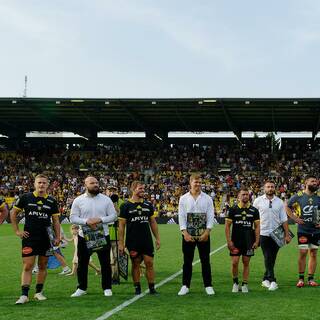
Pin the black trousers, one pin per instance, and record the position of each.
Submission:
(188, 249)
(83, 262)
(270, 250)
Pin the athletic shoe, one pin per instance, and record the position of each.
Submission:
(183, 291)
(65, 270)
(273, 286)
(78, 293)
(22, 300)
(300, 283)
(153, 291)
(107, 293)
(312, 283)
(245, 288)
(235, 288)
(35, 269)
(209, 291)
(39, 296)
(137, 291)
(265, 284)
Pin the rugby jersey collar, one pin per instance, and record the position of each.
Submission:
(37, 195)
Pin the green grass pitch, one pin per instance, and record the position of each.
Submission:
(288, 302)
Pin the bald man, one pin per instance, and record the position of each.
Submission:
(95, 210)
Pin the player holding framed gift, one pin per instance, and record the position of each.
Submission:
(304, 210)
(93, 211)
(245, 222)
(39, 209)
(196, 219)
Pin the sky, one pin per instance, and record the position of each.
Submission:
(160, 49)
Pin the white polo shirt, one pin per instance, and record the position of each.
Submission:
(203, 204)
(272, 213)
(87, 206)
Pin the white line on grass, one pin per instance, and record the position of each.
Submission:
(110, 313)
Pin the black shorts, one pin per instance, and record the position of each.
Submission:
(308, 240)
(32, 247)
(135, 252)
(240, 250)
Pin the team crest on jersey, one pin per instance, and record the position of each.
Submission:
(310, 200)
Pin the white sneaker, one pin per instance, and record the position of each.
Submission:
(107, 293)
(35, 269)
(245, 288)
(183, 291)
(39, 296)
(273, 286)
(265, 284)
(235, 288)
(65, 270)
(78, 293)
(209, 291)
(22, 300)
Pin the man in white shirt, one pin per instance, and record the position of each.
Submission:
(196, 203)
(93, 208)
(272, 215)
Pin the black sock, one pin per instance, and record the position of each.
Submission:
(236, 280)
(244, 283)
(137, 287)
(25, 290)
(301, 276)
(152, 290)
(39, 287)
(310, 277)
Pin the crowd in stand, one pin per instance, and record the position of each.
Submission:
(164, 169)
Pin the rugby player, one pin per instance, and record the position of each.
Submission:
(300, 208)
(136, 219)
(40, 211)
(3, 211)
(244, 219)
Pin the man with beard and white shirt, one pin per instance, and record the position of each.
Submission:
(272, 215)
(91, 209)
(300, 208)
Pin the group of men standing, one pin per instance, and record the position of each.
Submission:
(251, 226)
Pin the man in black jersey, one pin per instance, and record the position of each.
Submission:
(244, 239)
(136, 217)
(39, 208)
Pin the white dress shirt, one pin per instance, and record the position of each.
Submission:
(272, 213)
(87, 206)
(202, 204)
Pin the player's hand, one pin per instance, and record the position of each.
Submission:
(22, 234)
(287, 239)
(121, 248)
(299, 221)
(56, 242)
(157, 242)
(230, 245)
(92, 222)
(204, 237)
(187, 237)
(255, 245)
(317, 225)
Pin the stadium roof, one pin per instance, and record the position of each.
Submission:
(88, 116)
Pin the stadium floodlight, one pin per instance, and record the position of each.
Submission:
(200, 102)
(201, 134)
(209, 100)
(113, 134)
(107, 102)
(14, 101)
(57, 102)
(77, 100)
(247, 102)
(295, 102)
(154, 102)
